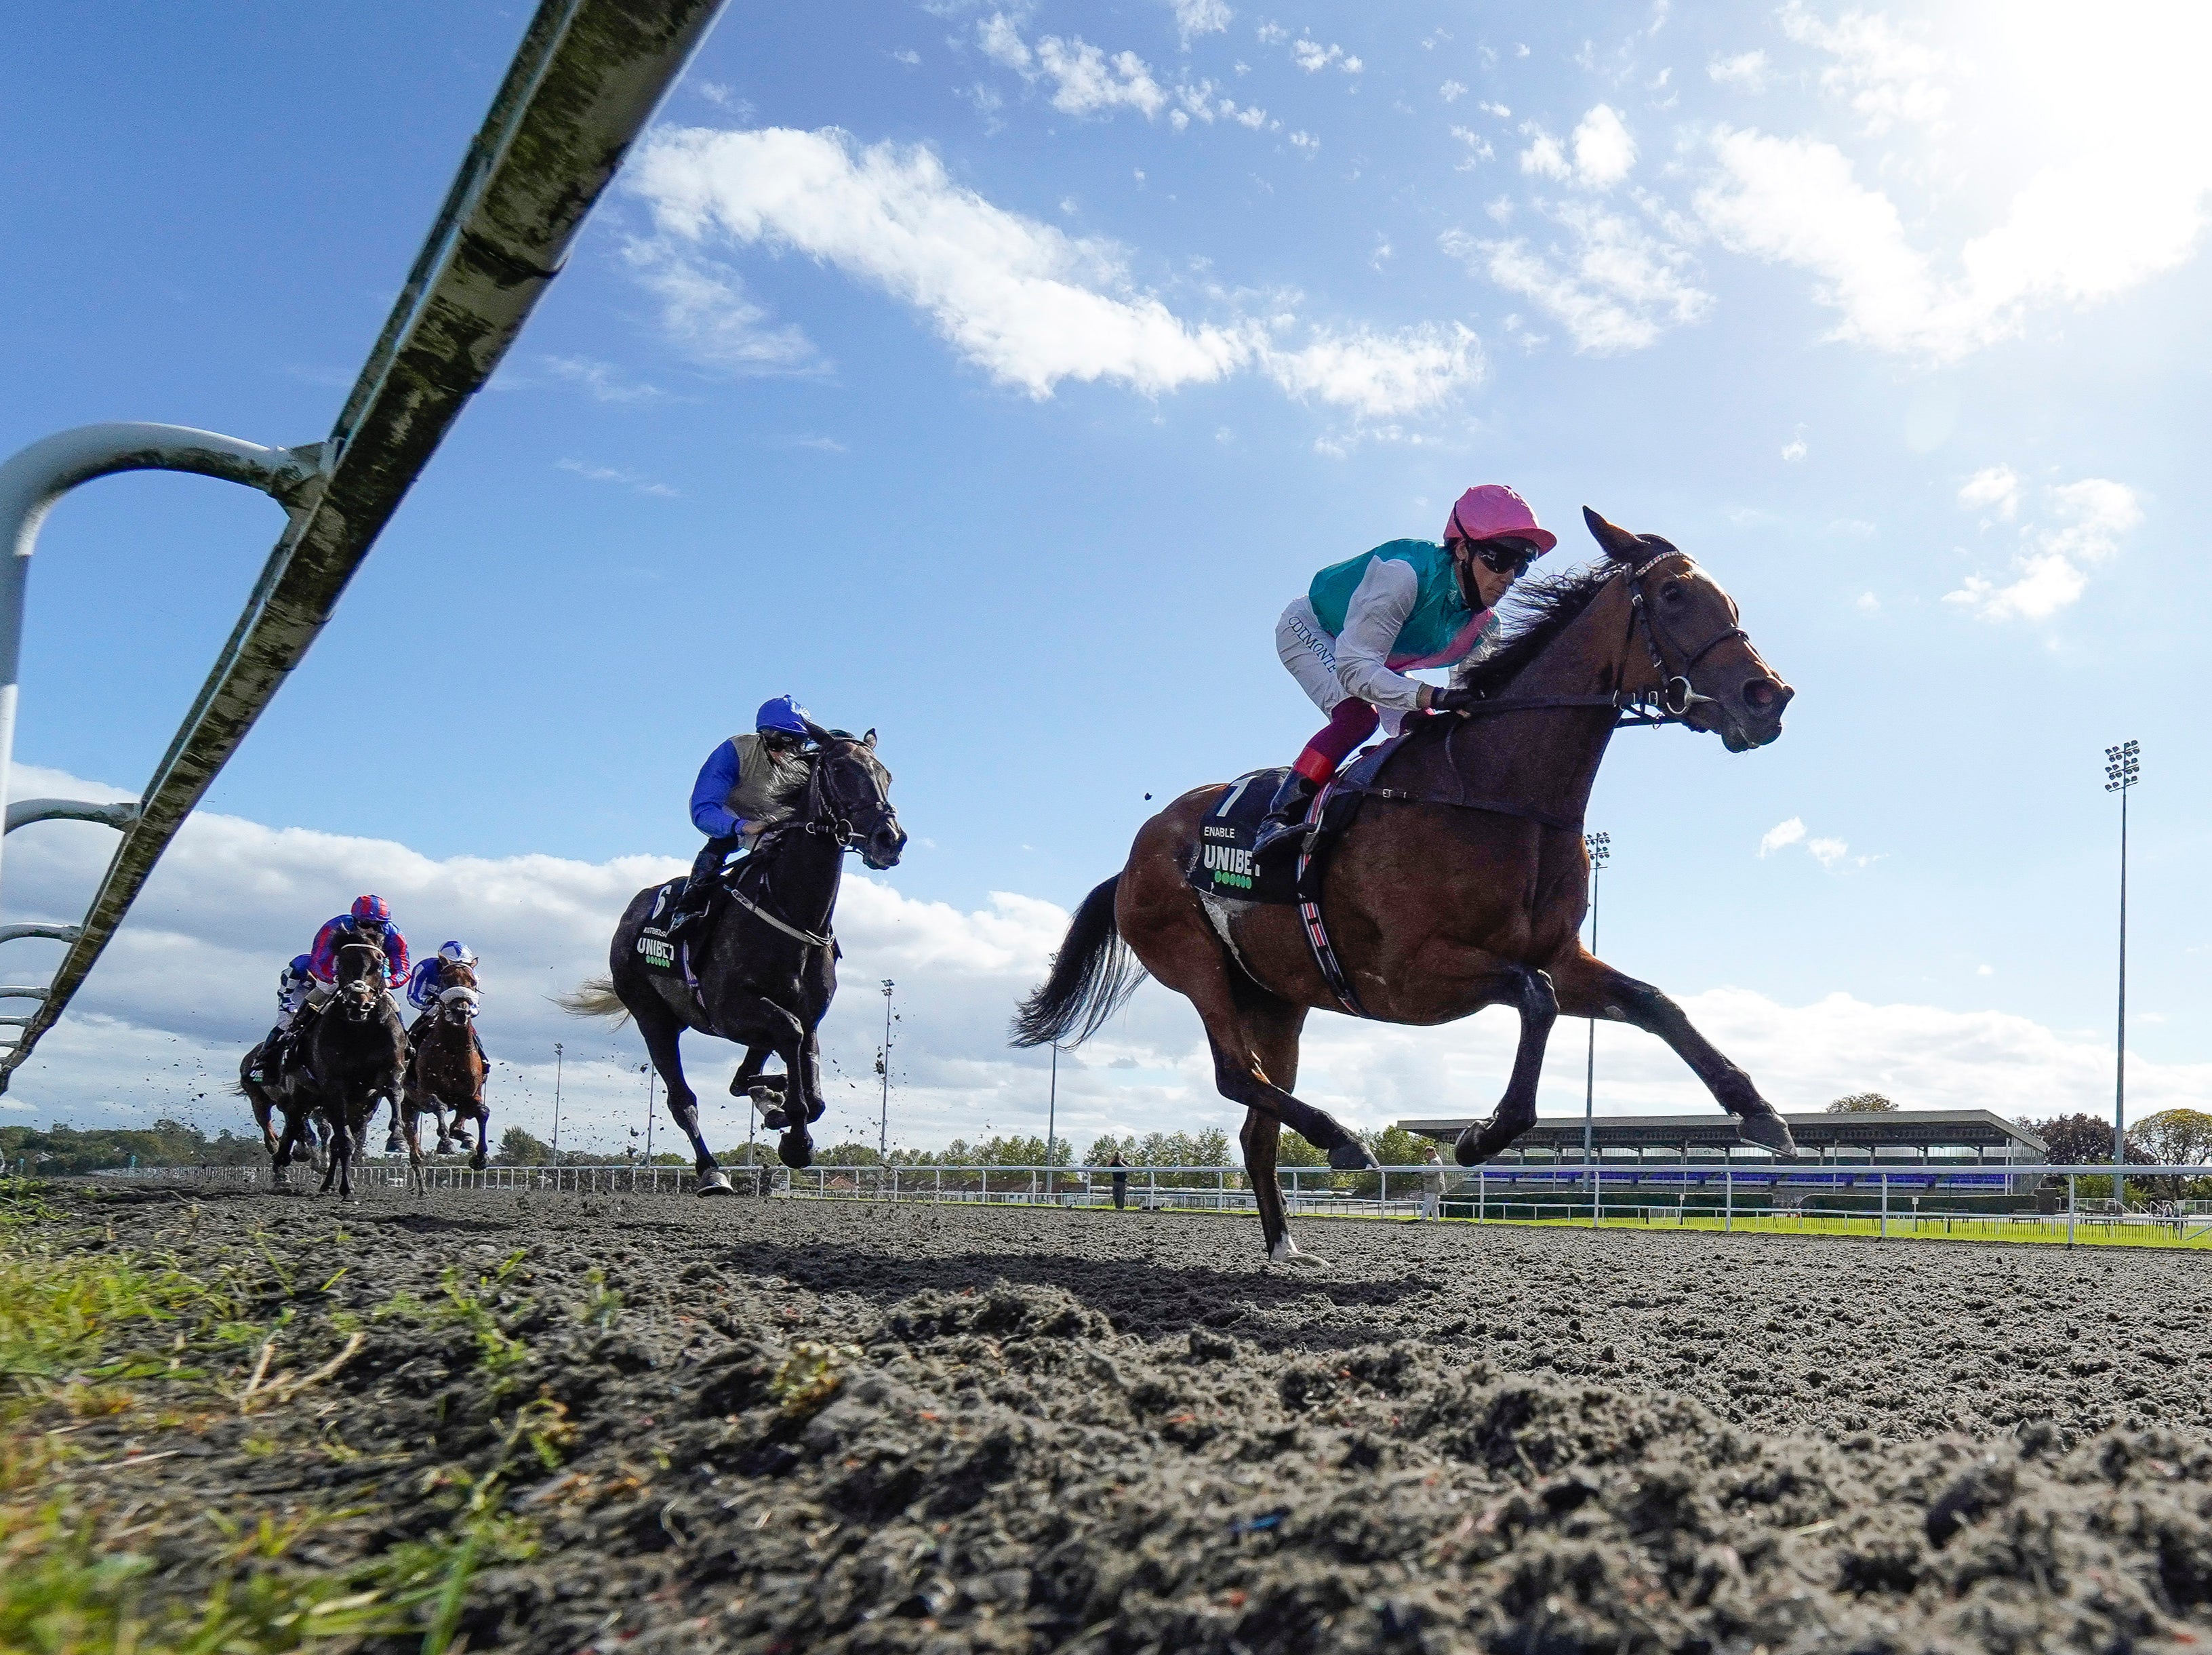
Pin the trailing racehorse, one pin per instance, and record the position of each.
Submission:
(292, 1094)
(447, 1072)
(1460, 884)
(769, 969)
(358, 1051)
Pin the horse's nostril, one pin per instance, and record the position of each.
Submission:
(1760, 695)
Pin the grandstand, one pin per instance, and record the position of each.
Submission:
(1947, 1148)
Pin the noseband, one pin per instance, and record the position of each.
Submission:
(825, 814)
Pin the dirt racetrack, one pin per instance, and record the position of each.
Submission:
(791, 1426)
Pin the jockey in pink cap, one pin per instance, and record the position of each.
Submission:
(1406, 604)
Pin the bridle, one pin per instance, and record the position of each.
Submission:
(1671, 703)
(825, 814)
(1676, 694)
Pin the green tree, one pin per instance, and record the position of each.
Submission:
(2178, 1137)
(519, 1147)
(1861, 1103)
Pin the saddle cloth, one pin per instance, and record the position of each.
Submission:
(1221, 864)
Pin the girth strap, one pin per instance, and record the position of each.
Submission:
(1324, 953)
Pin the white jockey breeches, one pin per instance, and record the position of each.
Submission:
(1310, 654)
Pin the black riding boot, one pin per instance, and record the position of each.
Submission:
(1285, 824)
(692, 902)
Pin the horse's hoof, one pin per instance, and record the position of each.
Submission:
(796, 1149)
(814, 1111)
(477, 1161)
(775, 1119)
(716, 1183)
(765, 1092)
(1768, 1131)
(1351, 1157)
(394, 1144)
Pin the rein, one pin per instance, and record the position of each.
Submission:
(822, 817)
(1670, 703)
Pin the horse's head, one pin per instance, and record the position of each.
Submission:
(853, 792)
(363, 975)
(458, 998)
(1701, 660)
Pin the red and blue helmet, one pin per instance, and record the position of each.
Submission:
(783, 714)
(372, 908)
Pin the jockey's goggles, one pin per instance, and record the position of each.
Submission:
(1506, 554)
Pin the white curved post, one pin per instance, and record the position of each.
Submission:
(36, 476)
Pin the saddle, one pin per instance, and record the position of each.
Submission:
(743, 884)
(1222, 866)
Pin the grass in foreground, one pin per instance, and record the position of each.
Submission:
(90, 1331)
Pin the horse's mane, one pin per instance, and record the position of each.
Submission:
(1538, 609)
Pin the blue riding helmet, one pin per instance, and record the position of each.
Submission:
(459, 953)
(783, 714)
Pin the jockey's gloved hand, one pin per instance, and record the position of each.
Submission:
(1456, 699)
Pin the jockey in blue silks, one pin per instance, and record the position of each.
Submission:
(293, 983)
(428, 981)
(740, 794)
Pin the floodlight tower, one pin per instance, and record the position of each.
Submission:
(1599, 846)
(2123, 770)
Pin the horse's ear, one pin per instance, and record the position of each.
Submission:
(870, 738)
(815, 733)
(1617, 541)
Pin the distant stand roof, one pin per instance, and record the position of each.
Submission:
(1912, 1129)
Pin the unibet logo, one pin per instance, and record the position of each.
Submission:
(1228, 865)
(658, 953)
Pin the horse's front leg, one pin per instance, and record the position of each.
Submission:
(767, 1096)
(483, 1156)
(1530, 992)
(1589, 987)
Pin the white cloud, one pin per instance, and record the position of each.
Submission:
(189, 984)
(615, 474)
(1478, 149)
(1451, 91)
(1306, 144)
(2081, 526)
(1746, 69)
(1312, 57)
(1827, 852)
(908, 56)
(603, 380)
(1604, 151)
(1887, 75)
(1781, 834)
(1793, 450)
(706, 309)
(1195, 17)
(1498, 109)
(1027, 302)
(1614, 286)
(1545, 156)
(1995, 488)
(1086, 79)
(2081, 172)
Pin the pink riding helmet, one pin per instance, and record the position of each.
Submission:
(1492, 509)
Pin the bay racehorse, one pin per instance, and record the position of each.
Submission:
(446, 1073)
(358, 1051)
(766, 975)
(1464, 888)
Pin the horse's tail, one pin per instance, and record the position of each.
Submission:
(1093, 976)
(594, 996)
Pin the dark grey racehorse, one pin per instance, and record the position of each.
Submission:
(293, 1095)
(358, 1052)
(770, 968)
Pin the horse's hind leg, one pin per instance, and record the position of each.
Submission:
(1531, 993)
(767, 1096)
(1589, 987)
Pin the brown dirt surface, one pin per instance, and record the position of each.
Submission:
(784, 1426)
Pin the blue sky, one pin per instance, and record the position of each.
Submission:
(994, 376)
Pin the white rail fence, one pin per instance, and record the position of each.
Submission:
(584, 81)
(1918, 1202)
